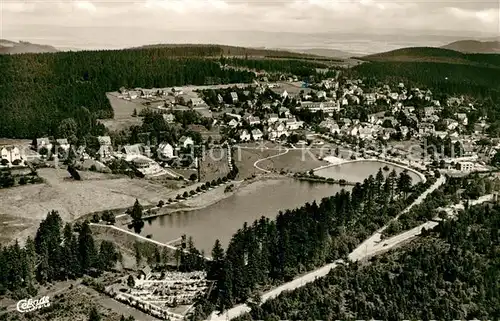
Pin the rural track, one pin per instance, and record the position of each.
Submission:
(267, 158)
(370, 247)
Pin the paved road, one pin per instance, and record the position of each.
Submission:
(375, 239)
(367, 249)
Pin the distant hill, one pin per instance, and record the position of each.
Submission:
(436, 55)
(448, 71)
(12, 47)
(474, 46)
(242, 51)
(323, 52)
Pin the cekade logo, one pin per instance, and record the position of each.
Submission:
(28, 305)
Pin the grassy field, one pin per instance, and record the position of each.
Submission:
(72, 199)
(122, 110)
(294, 161)
(214, 164)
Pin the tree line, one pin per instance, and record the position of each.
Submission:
(39, 91)
(269, 252)
(58, 252)
(453, 273)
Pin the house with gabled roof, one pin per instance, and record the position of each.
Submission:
(186, 141)
(233, 123)
(245, 135)
(257, 134)
(234, 97)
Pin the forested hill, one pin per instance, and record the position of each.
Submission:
(443, 71)
(12, 47)
(474, 46)
(451, 274)
(430, 54)
(218, 50)
(38, 91)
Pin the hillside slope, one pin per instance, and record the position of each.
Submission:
(12, 47)
(39, 91)
(232, 50)
(447, 71)
(435, 55)
(474, 46)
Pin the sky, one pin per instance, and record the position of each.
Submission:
(113, 24)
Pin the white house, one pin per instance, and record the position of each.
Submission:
(272, 118)
(169, 118)
(370, 98)
(257, 134)
(233, 123)
(186, 141)
(277, 130)
(43, 143)
(285, 111)
(404, 130)
(451, 124)
(429, 111)
(132, 95)
(132, 151)
(327, 123)
(105, 149)
(375, 118)
(245, 135)
(335, 129)
(321, 94)
(293, 124)
(11, 154)
(465, 166)
(63, 144)
(196, 102)
(284, 94)
(326, 107)
(234, 97)
(462, 117)
(252, 120)
(165, 151)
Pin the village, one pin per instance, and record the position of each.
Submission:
(288, 112)
(407, 126)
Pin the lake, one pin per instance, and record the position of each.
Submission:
(263, 198)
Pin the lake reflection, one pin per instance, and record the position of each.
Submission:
(263, 198)
(222, 219)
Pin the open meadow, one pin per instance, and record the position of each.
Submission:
(29, 204)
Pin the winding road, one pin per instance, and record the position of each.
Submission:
(370, 247)
(266, 158)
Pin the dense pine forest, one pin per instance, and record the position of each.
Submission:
(58, 252)
(448, 78)
(294, 67)
(453, 273)
(271, 252)
(38, 91)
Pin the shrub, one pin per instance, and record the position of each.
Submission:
(95, 218)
